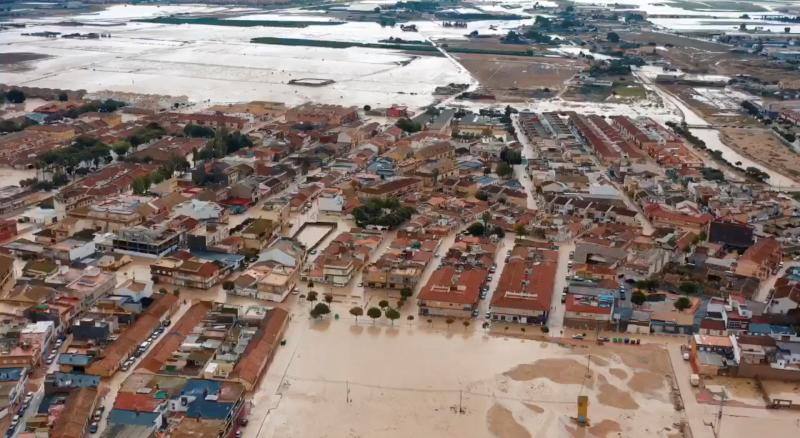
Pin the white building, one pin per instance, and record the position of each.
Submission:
(199, 210)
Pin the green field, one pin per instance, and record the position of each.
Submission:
(411, 46)
(211, 21)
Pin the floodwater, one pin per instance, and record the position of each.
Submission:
(12, 177)
(312, 235)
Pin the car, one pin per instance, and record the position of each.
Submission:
(483, 297)
(622, 295)
(243, 421)
(360, 284)
(488, 315)
(238, 434)
(54, 351)
(313, 251)
(563, 297)
(685, 355)
(489, 278)
(124, 367)
(476, 313)
(578, 337)
(93, 427)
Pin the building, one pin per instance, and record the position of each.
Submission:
(525, 289)
(258, 234)
(451, 293)
(146, 242)
(394, 188)
(320, 114)
(589, 311)
(760, 260)
(191, 272)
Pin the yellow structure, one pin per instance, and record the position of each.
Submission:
(583, 409)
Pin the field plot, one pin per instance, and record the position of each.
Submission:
(506, 72)
(411, 380)
(763, 146)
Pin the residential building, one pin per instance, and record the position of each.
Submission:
(449, 292)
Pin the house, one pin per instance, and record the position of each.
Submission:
(7, 276)
(785, 299)
(760, 260)
(200, 210)
(525, 289)
(589, 311)
(451, 293)
(258, 234)
(713, 355)
(191, 272)
(394, 188)
(660, 216)
(274, 275)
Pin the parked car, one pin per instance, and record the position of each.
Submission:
(579, 337)
(476, 313)
(93, 427)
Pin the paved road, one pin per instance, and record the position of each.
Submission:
(555, 322)
(766, 286)
(519, 170)
(115, 382)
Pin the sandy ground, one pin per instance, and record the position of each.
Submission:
(763, 146)
(415, 380)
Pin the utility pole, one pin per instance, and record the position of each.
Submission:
(347, 395)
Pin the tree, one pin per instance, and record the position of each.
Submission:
(319, 310)
(406, 292)
(520, 230)
(466, 324)
(15, 96)
(408, 125)
(481, 195)
(312, 296)
(612, 37)
(62, 97)
(503, 170)
(486, 216)
(328, 298)
(392, 314)
(682, 303)
(141, 184)
(476, 229)
(121, 148)
(689, 288)
(227, 285)
(383, 304)
(374, 313)
(449, 321)
(357, 311)
(638, 297)
(367, 108)
(650, 284)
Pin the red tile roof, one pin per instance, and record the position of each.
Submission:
(535, 295)
(131, 401)
(446, 285)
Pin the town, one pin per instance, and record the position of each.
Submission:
(595, 234)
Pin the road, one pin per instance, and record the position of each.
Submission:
(737, 422)
(113, 384)
(555, 321)
(520, 171)
(504, 246)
